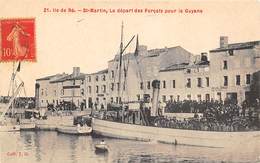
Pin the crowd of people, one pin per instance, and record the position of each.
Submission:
(20, 102)
(217, 116)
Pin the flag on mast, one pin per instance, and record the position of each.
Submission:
(18, 67)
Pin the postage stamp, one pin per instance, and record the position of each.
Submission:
(17, 40)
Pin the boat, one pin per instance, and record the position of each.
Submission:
(101, 148)
(12, 122)
(9, 128)
(213, 139)
(147, 130)
(75, 130)
(8, 124)
(28, 122)
(28, 126)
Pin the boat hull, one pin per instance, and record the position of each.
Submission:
(9, 128)
(100, 148)
(75, 130)
(27, 126)
(172, 136)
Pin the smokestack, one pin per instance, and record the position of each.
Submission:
(204, 56)
(76, 71)
(223, 42)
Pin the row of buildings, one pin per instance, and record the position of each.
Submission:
(223, 73)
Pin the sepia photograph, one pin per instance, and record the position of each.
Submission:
(130, 81)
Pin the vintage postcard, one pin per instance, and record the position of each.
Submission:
(129, 81)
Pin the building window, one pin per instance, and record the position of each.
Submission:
(188, 83)
(97, 89)
(148, 85)
(124, 87)
(237, 79)
(74, 82)
(219, 96)
(173, 84)
(141, 85)
(199, 98)
(138, 97)
(42, 92)
(112, 74)
(82, 92)
(189, 97)
(112, 86)
(89, 79)
(163, 98)
(171, 98)
(89, 89)
(62, 92)
(207, 97)
(199, 82)
(231, 52)
(188, 71)
(104, 88)
(178, 98)
(112, 100)
(225, 65)
(55, 93)
(96, 78)
(248, 78)
(207, 81)
(225, 80)
(118, 86)
(104, 77)
(164, 84)
(82, 82)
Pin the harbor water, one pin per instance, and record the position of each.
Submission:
(52, 147)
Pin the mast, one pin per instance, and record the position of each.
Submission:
(12, 85)
(120, 63)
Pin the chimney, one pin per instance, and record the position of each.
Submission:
(76, 71)
(223, 42)
(204, 56)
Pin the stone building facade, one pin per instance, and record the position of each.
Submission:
(53, 90)
(97, 89)
(224, 73)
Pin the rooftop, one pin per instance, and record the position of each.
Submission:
(50, 77)
(81, 76)
(237, 46)
(100, 72)
(171, 51)
(182, 66)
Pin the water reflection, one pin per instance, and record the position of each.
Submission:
(44, 146)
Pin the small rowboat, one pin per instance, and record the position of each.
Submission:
(27, 126)
(76, 130)
(101, 148)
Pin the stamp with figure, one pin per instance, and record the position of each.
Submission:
(17, 40)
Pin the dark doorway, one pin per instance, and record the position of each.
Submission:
(232, 97)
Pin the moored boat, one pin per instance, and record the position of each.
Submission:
(75, 130)
(9, 128)
(101, 148)
(28, 126)
(216, 139)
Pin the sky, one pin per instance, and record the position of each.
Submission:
(90, 40)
